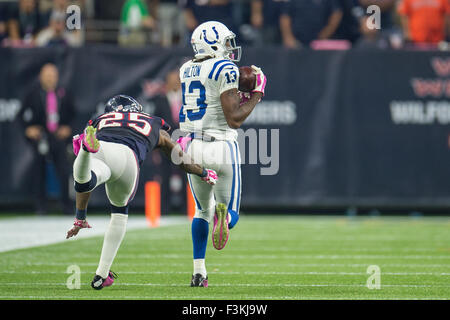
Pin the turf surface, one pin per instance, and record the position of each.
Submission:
(267, 257)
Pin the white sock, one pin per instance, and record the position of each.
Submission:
(82, 167)
(111, 243)
(199, 267)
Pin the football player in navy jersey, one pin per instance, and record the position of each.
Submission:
(110, 151)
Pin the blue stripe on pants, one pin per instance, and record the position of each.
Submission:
(193, 193)
(230, 204)
(238, 202)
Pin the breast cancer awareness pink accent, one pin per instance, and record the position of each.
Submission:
(183, 141)
(76, 143)
(261, 81)
(52, 112)
(244, 97)
(211, 178)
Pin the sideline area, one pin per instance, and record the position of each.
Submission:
(26, 232)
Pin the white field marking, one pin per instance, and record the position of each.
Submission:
(254, 273)
(18, 233)
(213, 265)
(435, 249)
(308, 241)
(235, 285)
(278, 257)
(329, 239)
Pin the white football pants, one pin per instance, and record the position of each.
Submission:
(224, 158)
(115, 165)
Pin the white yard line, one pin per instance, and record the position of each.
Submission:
(277, 257)
(283, 285)
(26, 232)
(238, 265)
(256, 273)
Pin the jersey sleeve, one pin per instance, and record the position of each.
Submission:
(228, 77)
(165, 126)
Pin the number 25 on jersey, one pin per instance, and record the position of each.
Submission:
(137, 121)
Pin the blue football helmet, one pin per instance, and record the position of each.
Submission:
(123, 103)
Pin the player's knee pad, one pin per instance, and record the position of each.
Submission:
(122, 210)
(88, 186)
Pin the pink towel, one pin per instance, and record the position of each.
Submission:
(52, 112)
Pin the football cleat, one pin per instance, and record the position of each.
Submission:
(220, 231)
(98, 282)
(199, 281)
(90, 141)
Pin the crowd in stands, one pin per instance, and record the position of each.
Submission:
(289, 23)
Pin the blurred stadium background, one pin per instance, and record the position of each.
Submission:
(357, 119)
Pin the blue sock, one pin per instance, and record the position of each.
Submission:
(200, 230)
(80, 214)
(234, 218)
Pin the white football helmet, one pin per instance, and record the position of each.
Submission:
(214, 39)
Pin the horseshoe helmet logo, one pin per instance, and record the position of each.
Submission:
(206, 39)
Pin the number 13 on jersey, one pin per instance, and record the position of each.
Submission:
(195, 108)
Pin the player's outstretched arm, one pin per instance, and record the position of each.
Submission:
(174, 152)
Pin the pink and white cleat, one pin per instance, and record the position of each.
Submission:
(98, 282)
(90, 141)
(220, 230)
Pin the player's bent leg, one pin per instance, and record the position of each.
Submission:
(89, 172)
(227, 192)
(90, 141)
(234, 202)
(221, 231)
(82, 165)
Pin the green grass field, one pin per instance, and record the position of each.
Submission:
(267, 257)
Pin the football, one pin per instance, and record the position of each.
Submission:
(247, 79)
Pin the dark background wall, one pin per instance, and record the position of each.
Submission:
(356, 128)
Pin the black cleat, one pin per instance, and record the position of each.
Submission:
(98, 282)
(199, 281)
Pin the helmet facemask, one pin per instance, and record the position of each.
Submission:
(233, 52)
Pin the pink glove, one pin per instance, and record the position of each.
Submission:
(183, 141)
(261, 80)
(244, 97)
(77, 225)
(76, 143)
(211, 178)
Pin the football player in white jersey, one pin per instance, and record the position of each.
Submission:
(211, 112)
